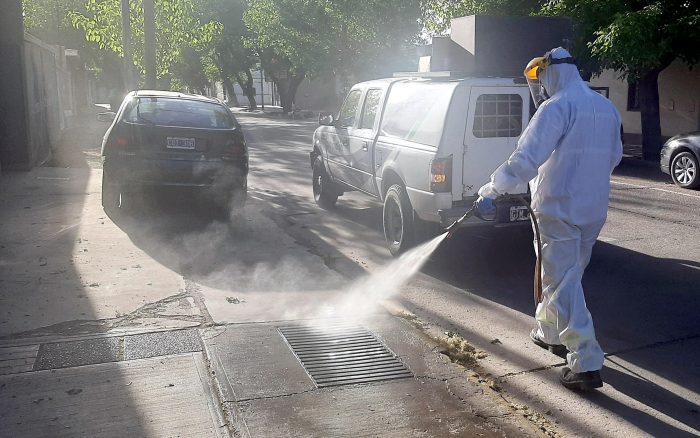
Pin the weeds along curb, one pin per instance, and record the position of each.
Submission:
(462, 353)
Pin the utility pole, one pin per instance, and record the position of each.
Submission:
(126, 43)
(149, 49)
(262, 89)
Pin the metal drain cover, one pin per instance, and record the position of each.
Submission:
(342, 355)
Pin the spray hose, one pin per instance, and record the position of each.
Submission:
(537, 285)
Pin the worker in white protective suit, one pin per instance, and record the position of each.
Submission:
(567, 153)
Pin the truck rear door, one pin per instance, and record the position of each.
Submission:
(496, 118)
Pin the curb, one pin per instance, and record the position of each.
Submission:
(638, 162)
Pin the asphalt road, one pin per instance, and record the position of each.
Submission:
(641, 286)
(174, 261)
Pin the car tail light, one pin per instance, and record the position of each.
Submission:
(119, 142)
(441, 175)
(234, 149)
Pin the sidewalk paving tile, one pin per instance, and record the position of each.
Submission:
(158, 397)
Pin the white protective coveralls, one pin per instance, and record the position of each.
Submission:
(567, 153)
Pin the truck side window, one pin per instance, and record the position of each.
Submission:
(498, 115)
(416, 111)
(349, 109)
(369, 112)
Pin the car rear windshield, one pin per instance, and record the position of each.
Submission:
(178, 112)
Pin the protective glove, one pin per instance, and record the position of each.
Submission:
(485, 208)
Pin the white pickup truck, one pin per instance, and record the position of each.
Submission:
(424, 147)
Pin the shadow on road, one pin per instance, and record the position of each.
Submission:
(638, 302)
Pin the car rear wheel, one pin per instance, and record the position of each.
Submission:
(240, 196)
(325, 191)
(399, 228)
(111, 196)
(684, 170)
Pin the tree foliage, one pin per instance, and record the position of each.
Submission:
(295, 38)
(638, 39)
(177, 27)
(437, 14)
(48, 18)
(232, 59)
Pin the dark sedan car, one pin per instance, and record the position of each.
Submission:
(178, 140)
(679, 158)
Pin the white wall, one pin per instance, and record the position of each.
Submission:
(679, 99)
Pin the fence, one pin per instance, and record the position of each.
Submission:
(49, 96)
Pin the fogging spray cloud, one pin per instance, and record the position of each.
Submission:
(363, 296)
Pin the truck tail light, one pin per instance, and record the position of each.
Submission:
(441, 175)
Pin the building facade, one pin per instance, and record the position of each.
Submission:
(679, 100)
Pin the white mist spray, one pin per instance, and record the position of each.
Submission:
(362, 296)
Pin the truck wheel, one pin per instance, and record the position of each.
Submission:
(399, 228)
(325, 191)
(111, 197)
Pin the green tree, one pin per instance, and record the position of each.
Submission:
(286, 36)
(437, 14)
(191, 71)
(296, 38)
(638, 39)
(178, 26)
(47, 19)
(50, 21)
(232, 58)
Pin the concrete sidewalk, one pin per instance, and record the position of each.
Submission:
(102, 335)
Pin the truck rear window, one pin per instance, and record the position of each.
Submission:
(498, 115)
(415, 111)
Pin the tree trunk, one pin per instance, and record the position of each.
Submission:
(287, 89)
(248, 89)
(651, 120)
(230, 91)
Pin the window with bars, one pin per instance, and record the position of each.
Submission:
(498, 115)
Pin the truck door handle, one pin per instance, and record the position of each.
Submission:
(365, 145)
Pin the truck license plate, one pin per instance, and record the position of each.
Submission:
(519, 213)
(180, 143)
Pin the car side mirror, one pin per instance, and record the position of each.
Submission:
(326, 119)
(107, 116)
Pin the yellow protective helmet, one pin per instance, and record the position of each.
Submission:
(532, 71)
(534, 67)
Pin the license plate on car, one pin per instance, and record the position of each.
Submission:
(519, 213)
(180, 143)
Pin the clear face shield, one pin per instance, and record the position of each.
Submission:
(534, 70)
(532, 74)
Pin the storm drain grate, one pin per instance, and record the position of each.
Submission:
(343, 355)
(117, 348)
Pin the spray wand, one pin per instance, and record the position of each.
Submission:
(537, 286)
(452, 228)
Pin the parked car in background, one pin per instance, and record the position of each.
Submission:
(680, 157)
(166, 139)
(424, 146)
